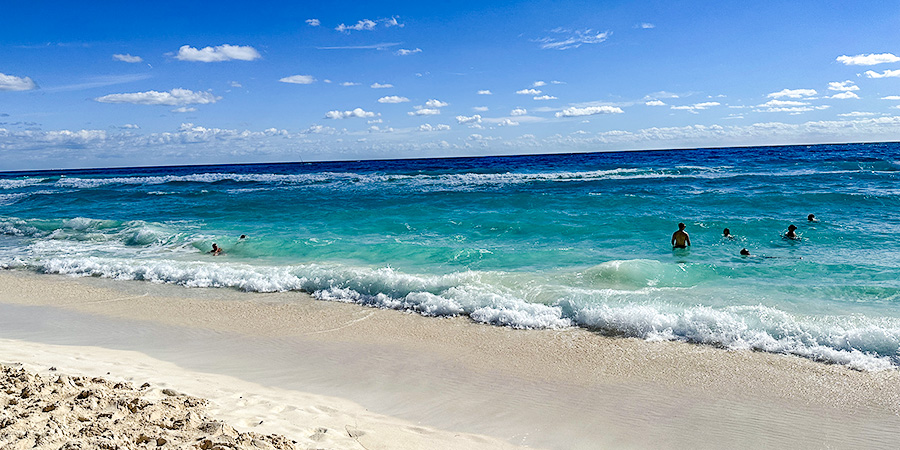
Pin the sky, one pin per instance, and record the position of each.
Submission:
(113, 84)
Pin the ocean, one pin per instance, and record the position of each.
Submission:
(549, 241)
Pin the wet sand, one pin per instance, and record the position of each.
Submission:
(419, 382)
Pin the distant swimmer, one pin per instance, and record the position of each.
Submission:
(726, 233)
(680, 238)
(215, 250)
(812, 218)
(745, 252)
(243, 236)
(791, 232)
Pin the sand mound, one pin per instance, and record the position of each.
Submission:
(69, 412)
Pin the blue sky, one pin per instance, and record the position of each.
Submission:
(116, 84)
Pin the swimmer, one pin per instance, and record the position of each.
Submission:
(680, 238)
(215, 249)
(243, 236)
(726, 233)
(812, 218)
(790, 233)
(745, 252)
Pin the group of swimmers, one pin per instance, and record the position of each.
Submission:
(680, 238)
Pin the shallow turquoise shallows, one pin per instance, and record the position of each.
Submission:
(528, 241)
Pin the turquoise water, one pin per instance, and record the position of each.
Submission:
(529, 241)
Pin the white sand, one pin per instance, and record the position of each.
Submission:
(414, 382)
(310, 421)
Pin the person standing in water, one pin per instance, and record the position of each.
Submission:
(726, 233)
(791, 232)
(215, 250)
(680, 238)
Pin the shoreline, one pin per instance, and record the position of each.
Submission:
(568, 388)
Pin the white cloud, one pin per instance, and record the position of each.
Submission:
(655, 103)
(393, 99)
(480, 108)
(130, 126)
(175, 97)
(891, 97)
(13, 83)
(424, 112)
(319, 129)
(485, 92)
(659, 95)
(381, 86)
(219, 53)
(392, 22)
(572, 39)
(434, 103)
(298, 79)
(857, 114)
(357, 112)
(406, 52)
(845, 95)
(696, 106)
(885, 74)
(127, 58)
(362, 25)
(349, 83)
(507, 123)
(781, 103)
(545, 97)
(793, 93)
(589, 111)
(518, 112)
(868, 60)
(468, 119)
(313, 22)
(842, 86)
(439, 127)
(792, 109)
(528, 92)
(646, 26)
(539, 84)
(235, 84)
(184, 109)
(379, 46)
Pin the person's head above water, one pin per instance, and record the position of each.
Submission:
(792, 227)
(726, 232)
(745, 252)
(681, 225)
(812, 218)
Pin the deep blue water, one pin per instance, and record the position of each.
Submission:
(526, 241)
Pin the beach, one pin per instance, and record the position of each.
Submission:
(285, 363)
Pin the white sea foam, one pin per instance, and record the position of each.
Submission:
(487, 298)
(455, 180)
(18, 183)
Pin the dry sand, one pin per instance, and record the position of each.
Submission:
(407, 381)
(66, 412)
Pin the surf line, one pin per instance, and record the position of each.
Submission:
(348, 324)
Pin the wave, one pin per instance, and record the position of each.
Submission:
(639, 309)
(19, 183)
(422, 180)
(79, 229)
